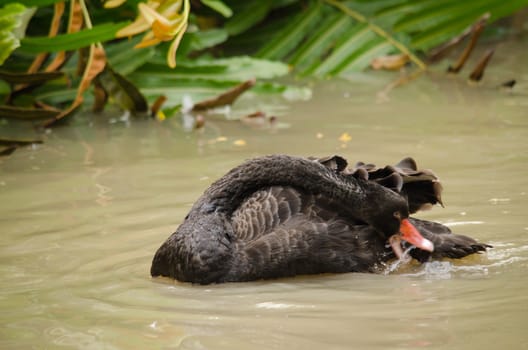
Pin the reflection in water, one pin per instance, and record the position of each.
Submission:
(102, 198)
(83, 214)
(91, 339)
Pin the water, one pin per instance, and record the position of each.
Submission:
(83, 214)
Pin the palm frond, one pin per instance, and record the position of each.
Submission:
(330, 37)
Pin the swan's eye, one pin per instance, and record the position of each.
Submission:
(397, 215)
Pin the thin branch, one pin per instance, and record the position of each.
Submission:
(441, 51)
(87, 20)
(478, 72)
(476, 29)
(86, 14)
(225, 98)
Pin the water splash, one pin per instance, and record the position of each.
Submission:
(403, 260)
(478, 266)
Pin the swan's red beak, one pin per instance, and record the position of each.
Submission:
(410, 234)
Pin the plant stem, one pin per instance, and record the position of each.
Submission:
(87, 20)
(86, 14)
(378, 30)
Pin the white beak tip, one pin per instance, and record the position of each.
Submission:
(427, 245)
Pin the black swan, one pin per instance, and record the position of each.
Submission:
(279, 215)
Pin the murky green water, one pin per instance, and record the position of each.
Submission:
(82, 215)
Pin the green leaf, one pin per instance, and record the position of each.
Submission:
(122, 91)
(330, 30)
(290, 92)
(73, 41)
(9, 20)
(362, 58)
(205, 78)
(400, 9)
(125, 59)
(436, 13)
(219, 7)
(205, 39)
(200, 89)
(343, 52)
(221, 69)
(254, 38)
(247, 15)
(291, 35)
(22, 113)
(56, 96)
(457, 21)
(29, 78)
(37, 3)
(332, 37)
(197, 89)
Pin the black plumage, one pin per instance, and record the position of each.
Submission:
(279, 215)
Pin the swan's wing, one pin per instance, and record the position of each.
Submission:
(421, 186)
(430, 227)
(265, 210)
(307, 247)
(283, 232)
(335, 162)
(446, 244)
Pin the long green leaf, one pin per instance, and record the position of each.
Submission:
(223, 69)
(36, 3)
(293, 34)
(247, 15)
(437, 13)
(334, 46)
(124, 59)
(203, 89)
(29, 78)
(207, 38)
(67, 42)
(401, 9)
(252, 39)
(317, 45)
(456, 23)
(362, 57)
(358, 37)
(22, 113)
(219, 7)
(205, 78)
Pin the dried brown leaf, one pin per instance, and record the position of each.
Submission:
(54, 29)
(156, 106)
(478, 72)
(226, 98)
(390, 62)
(95, 64)
(475, 34)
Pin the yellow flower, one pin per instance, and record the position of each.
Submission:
(165, 21)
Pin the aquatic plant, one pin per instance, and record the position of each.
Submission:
(132, 52)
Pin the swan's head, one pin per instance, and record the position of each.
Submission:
(391, 218)
(408, 233)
